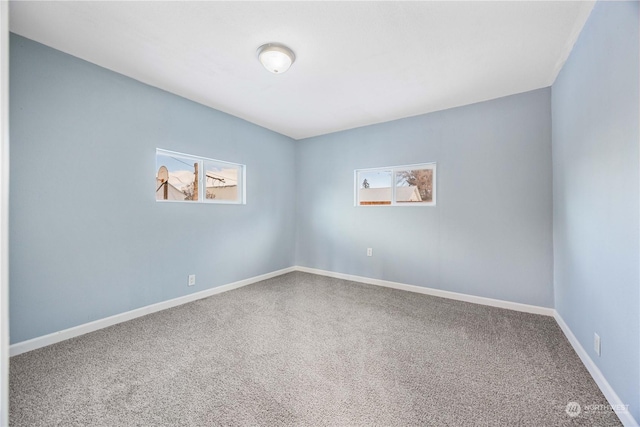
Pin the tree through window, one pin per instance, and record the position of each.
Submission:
(397, 185)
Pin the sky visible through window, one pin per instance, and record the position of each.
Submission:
(198, 179)
(376, 179)
(175, 164)
(395, 185)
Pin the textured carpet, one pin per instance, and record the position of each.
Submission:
(307, 350)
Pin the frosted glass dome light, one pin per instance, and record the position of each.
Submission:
(275, 57)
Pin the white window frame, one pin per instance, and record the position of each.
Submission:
(242, 178)
(394, 170)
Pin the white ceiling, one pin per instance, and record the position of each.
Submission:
(357, 63)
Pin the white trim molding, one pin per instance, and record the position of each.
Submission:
(608, 391)
(55, 337)
(45, 340)
(526, 308)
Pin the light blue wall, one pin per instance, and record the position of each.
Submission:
(88, 240)
(596, 192)
(490, 233)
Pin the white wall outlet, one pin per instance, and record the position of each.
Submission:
(192, 279)
(369, 251)
(596, 343)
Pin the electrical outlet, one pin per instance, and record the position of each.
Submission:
(192, 279)
(596, 343)
(369, 251)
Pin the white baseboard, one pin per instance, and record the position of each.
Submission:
(55, 337)
(608, 391)
(45, 340)
(434, 292)
(611, 396)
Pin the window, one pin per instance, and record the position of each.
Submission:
(411, 185)
(186, 178)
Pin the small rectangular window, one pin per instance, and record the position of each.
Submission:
(411, 185)
(187, 178)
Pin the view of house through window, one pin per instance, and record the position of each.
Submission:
(415, 185)
(374, 187)
(398, 185)
(186, 178)
(221, 180)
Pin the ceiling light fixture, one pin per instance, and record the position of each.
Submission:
(275, 57)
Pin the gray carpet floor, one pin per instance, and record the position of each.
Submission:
(307, 350)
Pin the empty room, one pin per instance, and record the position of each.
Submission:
(320, 213)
